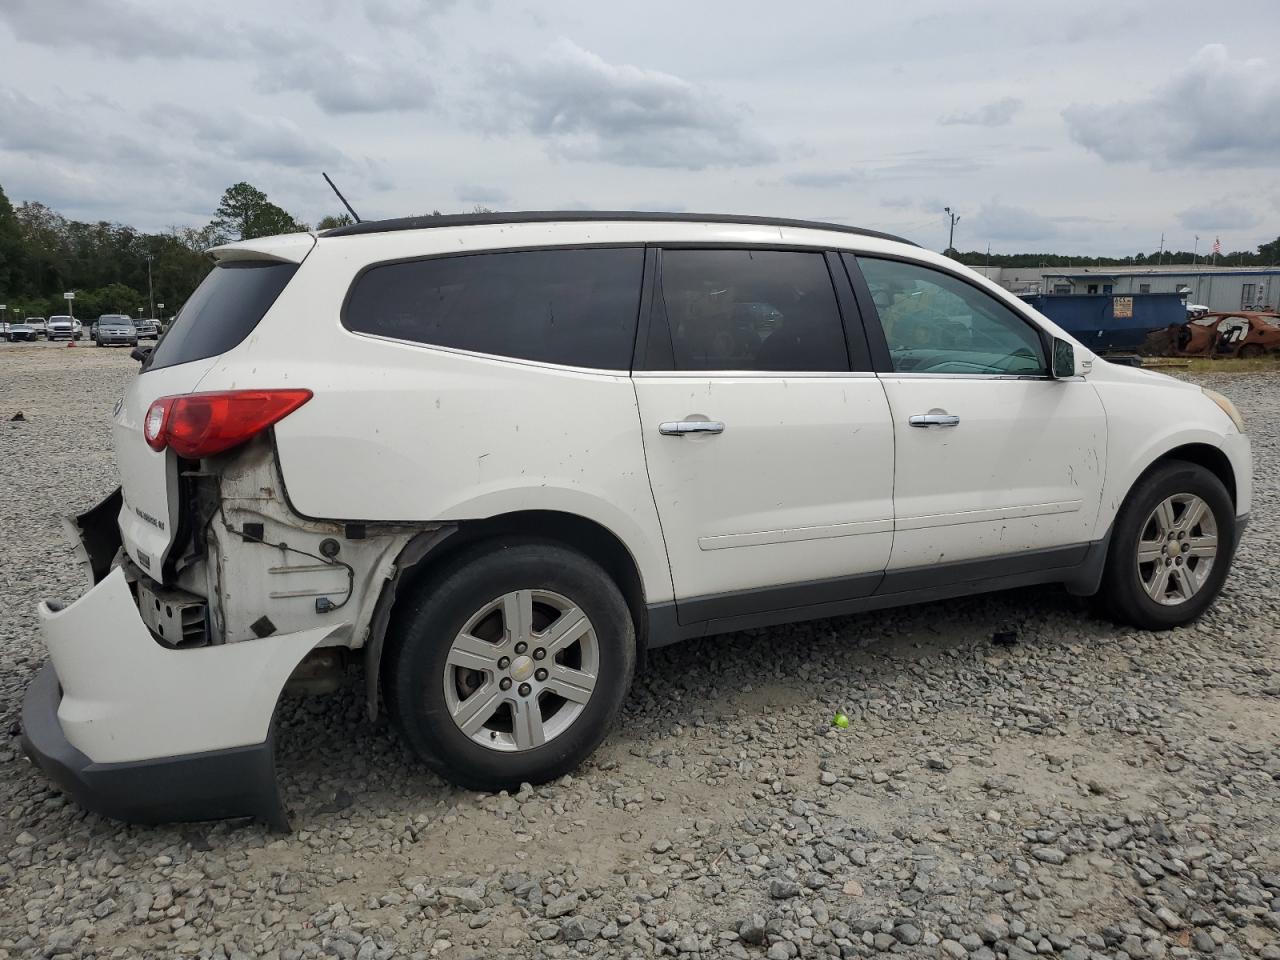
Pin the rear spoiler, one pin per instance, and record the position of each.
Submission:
(285, 248)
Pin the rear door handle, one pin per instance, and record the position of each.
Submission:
(934, 420)
(678, 428)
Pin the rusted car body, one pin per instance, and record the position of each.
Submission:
(1240, 333)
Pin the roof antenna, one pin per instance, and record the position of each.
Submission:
(355, 215)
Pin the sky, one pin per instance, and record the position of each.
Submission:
(1087, 127)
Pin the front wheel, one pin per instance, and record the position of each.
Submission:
(511, 666)
(1171, 547)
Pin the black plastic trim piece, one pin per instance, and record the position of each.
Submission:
(219, 784)
(591, 216)
(99, 529)
(766, 599)
(1079, 567)
(855, 326)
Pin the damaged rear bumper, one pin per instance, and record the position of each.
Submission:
(236, 782)
(142, 732)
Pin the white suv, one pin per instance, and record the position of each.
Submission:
(496, 458)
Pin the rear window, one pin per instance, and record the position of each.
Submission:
(572, 307)
(223, 311)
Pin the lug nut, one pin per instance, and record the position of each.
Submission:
(504, 662)
(1168, 561)
(539, 654)
(540, 675)
(521, 647)
(1179, 561)
(505, 683)
(525, 689)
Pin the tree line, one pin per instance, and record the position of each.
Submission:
(44, 255)
(1267, 255)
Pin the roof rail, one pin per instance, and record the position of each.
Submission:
(587, 216)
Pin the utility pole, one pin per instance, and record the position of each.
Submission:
(1160, 260)
(954, 218)
(151, 296)
(1195, 252)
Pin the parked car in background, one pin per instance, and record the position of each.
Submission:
(64, 328)
(148, 329)
(21, 331)
(115, 329)
(594, 435)
(37, 324)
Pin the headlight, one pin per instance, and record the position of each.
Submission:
(1226, 406)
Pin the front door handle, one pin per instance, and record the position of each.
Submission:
(678, 428)
(934, 420)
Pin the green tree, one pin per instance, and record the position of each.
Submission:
(244, 212)
(11, 265)
(330, 222)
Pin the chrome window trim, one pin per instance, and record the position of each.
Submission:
(965, 376)
(752, 374)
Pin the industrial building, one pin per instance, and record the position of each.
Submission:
(1218, 288)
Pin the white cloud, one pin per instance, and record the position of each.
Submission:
(342, 82)
(1217, 111)
(586, 108)
(998, 222)
(995, 114)
(1222, 214)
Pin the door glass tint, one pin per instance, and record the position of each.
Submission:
(223, 311)
(936, 323)
(574, 307)
(752, 310)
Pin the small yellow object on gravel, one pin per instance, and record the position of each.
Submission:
(841, 720)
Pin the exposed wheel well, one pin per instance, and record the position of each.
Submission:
(1211, 458)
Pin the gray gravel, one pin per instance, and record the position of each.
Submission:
(1084, 792)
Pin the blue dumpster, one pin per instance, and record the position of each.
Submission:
(1112, 321)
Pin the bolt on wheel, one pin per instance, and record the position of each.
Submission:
(1177, 549)
(521, 670)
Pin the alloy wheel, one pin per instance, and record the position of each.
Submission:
(1177, 549)
(521, 670)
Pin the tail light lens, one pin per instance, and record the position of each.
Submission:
(196, 425)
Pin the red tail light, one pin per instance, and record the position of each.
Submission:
(196, 425)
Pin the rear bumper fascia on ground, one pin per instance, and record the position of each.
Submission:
(142, 732)
(237, 782)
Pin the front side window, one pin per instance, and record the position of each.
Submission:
(936, 323)
(769, 310)
(571, 307)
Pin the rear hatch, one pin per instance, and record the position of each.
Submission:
(226, 307)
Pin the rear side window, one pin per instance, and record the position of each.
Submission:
(223, 311)
(572, 307)
(752, 310)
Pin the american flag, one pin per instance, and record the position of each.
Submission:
(1217, 245)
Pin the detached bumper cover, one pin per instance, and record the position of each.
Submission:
(238, 782)
(142, 732)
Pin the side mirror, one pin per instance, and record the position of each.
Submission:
(1068, 362)
(141, 354)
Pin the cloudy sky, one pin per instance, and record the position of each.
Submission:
(1089, 126)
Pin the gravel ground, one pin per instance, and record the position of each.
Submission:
(1016, 779)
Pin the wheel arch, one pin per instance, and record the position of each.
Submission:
(1205, 455)
(432, 551)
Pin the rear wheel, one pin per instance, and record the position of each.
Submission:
(511, 666)
(1171, 547)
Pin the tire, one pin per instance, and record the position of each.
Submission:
(417, 673)
(97, 343)
(1124, 594)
